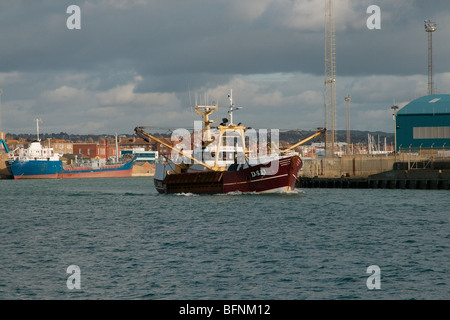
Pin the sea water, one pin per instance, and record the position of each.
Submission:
(120, 239)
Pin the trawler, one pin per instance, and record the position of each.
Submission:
(226, 159)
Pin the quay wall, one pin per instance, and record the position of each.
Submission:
(4, 172)
(401, 171)
(356, 166)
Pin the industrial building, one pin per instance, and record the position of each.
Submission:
(424, 123)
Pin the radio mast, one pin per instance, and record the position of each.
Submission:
(430, 27)
(330, 80)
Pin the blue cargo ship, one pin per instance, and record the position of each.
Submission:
(38, 162)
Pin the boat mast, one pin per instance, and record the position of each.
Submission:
(205, 111)
(229, 132)
(232, 107)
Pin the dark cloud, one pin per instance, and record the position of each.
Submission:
(170, 50)
(180, 37)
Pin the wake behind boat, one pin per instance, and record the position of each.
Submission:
(223, 161)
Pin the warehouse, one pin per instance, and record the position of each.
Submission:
(424, 123)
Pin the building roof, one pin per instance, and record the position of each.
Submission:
(427, 105)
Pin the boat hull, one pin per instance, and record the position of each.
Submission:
(96, 174)
(47, 169)
(274, 176)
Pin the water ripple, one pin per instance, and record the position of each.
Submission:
(132, 243)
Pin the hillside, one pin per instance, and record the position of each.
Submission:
(288, 136)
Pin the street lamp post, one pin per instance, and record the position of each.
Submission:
(395, 108)
(348, 99)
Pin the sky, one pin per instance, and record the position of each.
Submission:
(146, 63)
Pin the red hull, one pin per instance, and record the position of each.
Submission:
(259, 178)
(96, 174)
(81, 175)
(256, 179)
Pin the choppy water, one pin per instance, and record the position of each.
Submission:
(132, 243)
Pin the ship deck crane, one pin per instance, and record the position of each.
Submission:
(4, 145)
(146, 136)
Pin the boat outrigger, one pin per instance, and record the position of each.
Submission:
(222, 161)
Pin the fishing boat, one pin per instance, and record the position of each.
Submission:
(39, 162)
(223, 162)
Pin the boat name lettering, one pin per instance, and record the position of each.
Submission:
(258, 173)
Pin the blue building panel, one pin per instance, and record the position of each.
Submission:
(424, 123)
(428, 105)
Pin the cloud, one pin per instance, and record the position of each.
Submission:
(139, 62)
(63, 94)
(126, 95)
(247, 11)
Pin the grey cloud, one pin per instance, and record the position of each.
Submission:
(181, 46)
(179, 37)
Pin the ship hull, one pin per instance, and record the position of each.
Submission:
(276, 176)
(45, 169)
(96, 174)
